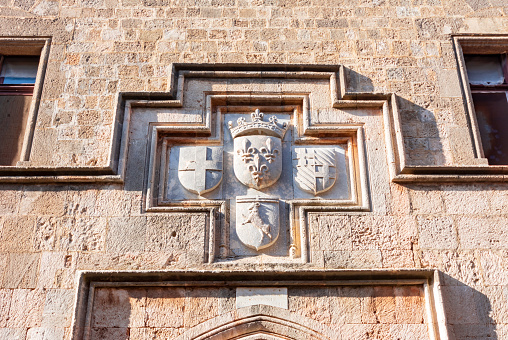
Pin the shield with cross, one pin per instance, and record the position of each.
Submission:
(316, 169)
(200, 168)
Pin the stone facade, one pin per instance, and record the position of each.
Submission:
(101, 237)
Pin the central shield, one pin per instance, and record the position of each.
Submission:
(257, 150)
(257, 160)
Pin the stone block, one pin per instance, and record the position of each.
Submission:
(43, 201)
(465, 306)
(176, 233)
(50, 264)
(494, 267)
(5, 302)
(9, 200)
(437, 232)
(311, 303)
(270, 296)
(26, 308)
(334, 232)
(200, 304)
(449, 85)
(460, 267)
(13, 333)
(379, 306)
(45, 233)
(482, 233)
(39, 333)
(409, 304)
(119, 308)
(81, 234)
(17, 234)
(465, 200)
(426, 201)
(110, 334)
(373, 232)
(58, 308)
(409, 332)
(345, 305)
(126, 234)
(81, 201)
(153, 333)
(161, 302)
(357, 259)
(22, 270)
(398, 258)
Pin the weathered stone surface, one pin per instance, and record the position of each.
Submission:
(5, 300)
(119, 308)
(13, 333)
(437, 233)
(58, 308)
(22, 270)
(17, 234)
(161, 302)
(26, 308)
(99, 48)
(39, 333)
(126, 234)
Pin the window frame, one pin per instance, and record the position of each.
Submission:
(38, 46)
(478, 45)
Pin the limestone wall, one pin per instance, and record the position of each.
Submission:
(52, 229)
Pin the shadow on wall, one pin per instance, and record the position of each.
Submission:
(356, 82)
(468, 311)
(422, 141)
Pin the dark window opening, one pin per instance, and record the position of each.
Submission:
(488, 76)
(17, 79)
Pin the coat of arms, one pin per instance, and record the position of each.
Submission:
(257, 221)
(257, 164)
(257, 150)
(316, 169)
(200, 168)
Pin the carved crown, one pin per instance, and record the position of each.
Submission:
(257, 126)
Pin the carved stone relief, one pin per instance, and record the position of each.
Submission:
(316, 169)
(258, 221)
(258, 150)
(258, 162)
(258, 171)
(200, 168)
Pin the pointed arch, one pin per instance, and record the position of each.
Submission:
(259, 322)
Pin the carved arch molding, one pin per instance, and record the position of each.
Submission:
(259, 322)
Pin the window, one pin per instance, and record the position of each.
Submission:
(22, 67)
(488, 81)
(17, 79)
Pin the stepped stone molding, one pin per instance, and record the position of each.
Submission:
(113, 172)
(259, 140)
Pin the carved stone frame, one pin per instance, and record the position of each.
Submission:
(88, 281)
(209, 132)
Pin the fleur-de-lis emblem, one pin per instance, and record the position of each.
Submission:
(270, 151)
(257, 169)
(246, 153)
